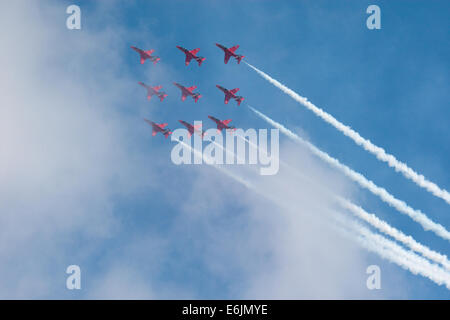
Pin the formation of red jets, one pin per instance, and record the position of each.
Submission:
(189, 91)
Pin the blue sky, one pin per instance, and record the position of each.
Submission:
(390, 85)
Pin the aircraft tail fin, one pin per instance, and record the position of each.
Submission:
(200, 60)
(239, 58)
(197, 97)
(167, 133)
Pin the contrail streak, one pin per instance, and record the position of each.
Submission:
(229, 152)
(401, 206)
(372, 219)
(210, 162)
(367, 239)
(391, 251)
(380, 153)
(395, 233)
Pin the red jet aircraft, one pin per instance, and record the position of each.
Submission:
(151, 91)
(158, 128)
(188, 92)
(229, 52)
(222, 124)
(231, 94)
(146, 55)
(193, 128)
(191, 54)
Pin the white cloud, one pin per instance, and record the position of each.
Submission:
(67, 139)
(264, 250)
(66, 146)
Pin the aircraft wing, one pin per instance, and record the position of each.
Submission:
(157, 88)
(149, 122)
(183, 123)
(226, 122)
(162, 125)
(188, 59)
(137, 49)
(227, 97)
(183, 97)
(233, 49)
(233, 91)
(154, 132)
(227, 57)
(220, 87)
(149, 52)
(190, 89)
(213, 119)
(195, 51)
(189, 128)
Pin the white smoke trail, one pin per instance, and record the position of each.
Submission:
(367, 239)
(229, 152)
(391, 251)
(380, 153)
(373, 220)
(395, 233)
(221, 169)
(401, 206)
